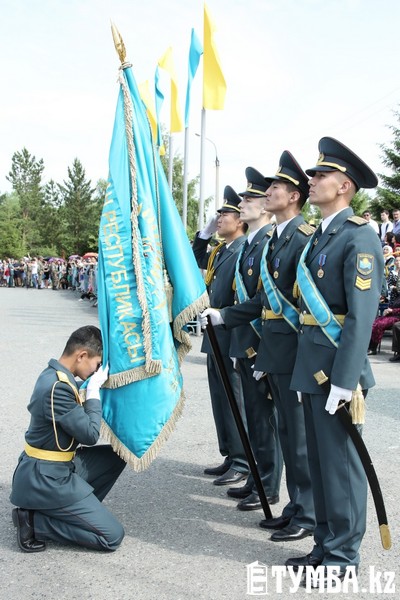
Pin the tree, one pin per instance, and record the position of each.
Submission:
(388, 195)
(361, 201)
(79, 210)
(10, 237)
(52, 221)
(26, 179)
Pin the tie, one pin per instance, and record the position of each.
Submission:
(317, 235)
(220, 253)
(274, 239)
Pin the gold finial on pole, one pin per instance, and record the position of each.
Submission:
(118, 43)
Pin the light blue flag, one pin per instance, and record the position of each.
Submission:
(159, 102)
(149, 288)
(196, 50)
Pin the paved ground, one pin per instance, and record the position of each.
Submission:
(184, 537)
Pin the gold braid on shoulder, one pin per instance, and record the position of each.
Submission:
(210, 265)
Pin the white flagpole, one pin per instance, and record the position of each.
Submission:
(185, 178)
(171, 162)
(202, 168)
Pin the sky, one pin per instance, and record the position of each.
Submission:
(296, 70)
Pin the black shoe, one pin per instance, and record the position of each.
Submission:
(220, 470)
(252, 502)
(231, 476)
(240, 492)
(372, 352)
(395, 358)
(303, 561)
(23, 521)
(274, 523)
(290, 533)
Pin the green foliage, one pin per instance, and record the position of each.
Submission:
(10, 238)
(311, 214)
(51, 219)
(388, 195)
(26, 179)
(361, 202)
(80, 212)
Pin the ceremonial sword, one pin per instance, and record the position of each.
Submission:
(238, 418)
(345, 419)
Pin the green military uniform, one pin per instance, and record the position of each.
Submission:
(277, 353)
(221, 274)
(260, 409)
(346, 266)
(66, 495)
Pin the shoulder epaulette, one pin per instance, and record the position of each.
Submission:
(357, 220)
(270, 232)
(306, 229)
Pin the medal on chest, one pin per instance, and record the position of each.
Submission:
(250, 263)
(321, 262)
(276, 267)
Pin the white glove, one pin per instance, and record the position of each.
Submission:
(335, 396)
(210, 228)
(258, 374)
(234, 361)
(215, 317)
(299, 397)
(95, 382)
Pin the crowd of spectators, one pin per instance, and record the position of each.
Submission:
(77, 274)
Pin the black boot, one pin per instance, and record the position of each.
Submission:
(372, 350)
(23, 521)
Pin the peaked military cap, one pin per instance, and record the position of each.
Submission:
(231, 201)
(290, 170)
(256, 185)
(335, 156)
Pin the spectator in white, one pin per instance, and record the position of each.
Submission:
(396, 221)
(34, 273)
(374, 224)
(385, 227)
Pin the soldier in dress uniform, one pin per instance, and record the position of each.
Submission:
(220, 264)
(286, 193)
(59, 486)
(339, 277)
(259, 406)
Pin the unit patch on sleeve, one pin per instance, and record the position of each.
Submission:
(365, 263)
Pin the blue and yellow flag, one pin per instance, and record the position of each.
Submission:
(195, 52)
(149, 288)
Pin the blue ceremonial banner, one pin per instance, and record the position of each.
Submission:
(149, 288)
(195, 52)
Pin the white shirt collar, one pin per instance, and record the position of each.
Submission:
(281, 227)
(325, 222)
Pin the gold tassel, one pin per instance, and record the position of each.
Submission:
(357, 407)
(210, 268)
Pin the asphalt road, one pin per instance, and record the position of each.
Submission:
(185, 539)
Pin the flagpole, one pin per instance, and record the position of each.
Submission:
(202, 167)
(185, 178)
(170, 161)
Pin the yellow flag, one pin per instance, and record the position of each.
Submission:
(144, 91)
(145, 94)
(214, 84)
(166, 62)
